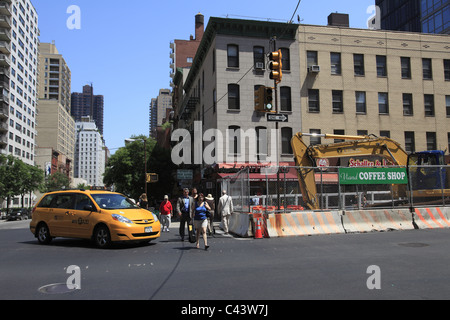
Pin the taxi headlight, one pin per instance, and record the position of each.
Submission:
(155, 217)
(120, 218)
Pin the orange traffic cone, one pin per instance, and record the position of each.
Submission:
(258, 231)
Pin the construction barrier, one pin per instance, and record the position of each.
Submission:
(240, 224)
(377, 220)
(269, 224)
(303, 224)
(432, 218)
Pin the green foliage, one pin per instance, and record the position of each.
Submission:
(17, 177)
(126, 170)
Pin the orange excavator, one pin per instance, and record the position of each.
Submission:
(384, 151)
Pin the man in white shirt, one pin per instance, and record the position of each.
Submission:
(225, 209)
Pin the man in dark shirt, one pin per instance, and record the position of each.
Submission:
(185, 210)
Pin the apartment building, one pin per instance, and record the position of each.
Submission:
(219, 92)
(90, 153)
(387, 83)
(87, 104)
(18, 78)
(56, 129)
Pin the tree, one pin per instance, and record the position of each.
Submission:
(10, 171)
(56, 181)
(18, 178)
(125, 169)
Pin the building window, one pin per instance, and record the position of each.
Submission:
(406, 67)
(234, 140)
(233, 97)
(447, 106)
(338, 104)
(315, 140)
(358, 63)
(447, 70)
(410, 145)
(311, 59)
(360, 102)
(286, 136)
(408, 104)
(261, 143)
(285, 99)
(336, 67)
(362, 132)
(381, 66)
(385, 133)
(429, 105)
(313, 100)
(233, 56)
(285, 58)
(258, 57)
(383, 103)
(427, 69)
(431, 141)
(339, 132)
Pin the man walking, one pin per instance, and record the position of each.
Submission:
(225, 208)
(185, 210)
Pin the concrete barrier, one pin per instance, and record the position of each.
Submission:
(302, 224)
(377, 220)
(240, 224)
(432, 218)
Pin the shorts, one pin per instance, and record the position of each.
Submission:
(198, 224)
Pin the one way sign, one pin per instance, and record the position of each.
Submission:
(277, 117)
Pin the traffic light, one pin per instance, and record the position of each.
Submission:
(151, 177)
(264, 99)
(259, 99)
(276, 66)
(268, 99)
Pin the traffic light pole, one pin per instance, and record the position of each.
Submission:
(275, 81)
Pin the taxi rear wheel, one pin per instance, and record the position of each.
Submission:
(43, 234)
(102, 237)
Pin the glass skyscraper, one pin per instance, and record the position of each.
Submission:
(427, 16)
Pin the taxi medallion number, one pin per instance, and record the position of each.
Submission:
(148, 229)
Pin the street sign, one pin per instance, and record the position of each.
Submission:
(349, 176)
(277, 117)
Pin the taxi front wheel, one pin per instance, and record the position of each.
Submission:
(102, 237)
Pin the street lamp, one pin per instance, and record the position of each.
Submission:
(145, 160)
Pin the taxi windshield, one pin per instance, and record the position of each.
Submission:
(113, 201)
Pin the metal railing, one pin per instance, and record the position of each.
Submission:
(425, 186)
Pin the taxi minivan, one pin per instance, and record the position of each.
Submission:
(102, 216)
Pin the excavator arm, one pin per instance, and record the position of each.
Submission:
(306, 156)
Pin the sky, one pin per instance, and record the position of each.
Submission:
(122, 47)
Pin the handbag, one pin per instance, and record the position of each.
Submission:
(191, 232)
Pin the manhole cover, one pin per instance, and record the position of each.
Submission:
(56, 288)
(414, 245)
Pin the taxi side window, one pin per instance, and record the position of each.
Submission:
(46, 202)
(63, 201)
(81, 201)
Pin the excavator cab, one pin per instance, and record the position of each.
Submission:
(425, 170)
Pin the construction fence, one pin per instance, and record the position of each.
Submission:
(339, 188)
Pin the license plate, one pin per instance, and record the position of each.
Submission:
(148, 229)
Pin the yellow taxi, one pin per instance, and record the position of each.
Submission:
(103, 216)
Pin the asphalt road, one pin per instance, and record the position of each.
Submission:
(408, 265)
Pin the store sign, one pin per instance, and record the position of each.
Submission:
(350, 176)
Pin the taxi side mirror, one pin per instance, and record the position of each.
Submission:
(89, 207)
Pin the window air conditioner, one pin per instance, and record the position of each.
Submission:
(314, 69)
